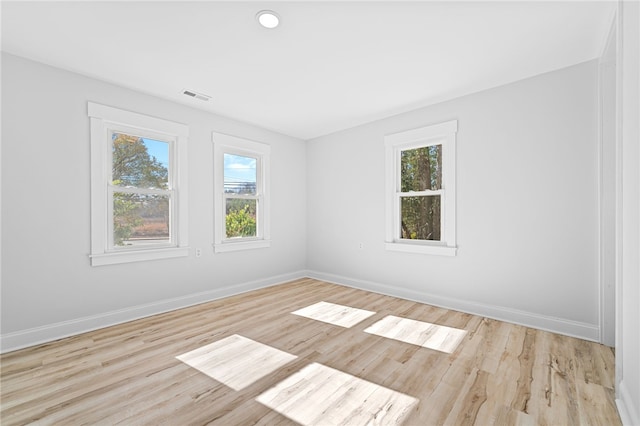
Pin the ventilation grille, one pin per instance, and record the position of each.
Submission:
(196, 95)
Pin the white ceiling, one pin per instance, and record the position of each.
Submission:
(329, 66)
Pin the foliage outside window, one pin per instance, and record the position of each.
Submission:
(141, 192)
(421, 184)
(421, 190)
(241, 193)
(241, 196)
(138, 209)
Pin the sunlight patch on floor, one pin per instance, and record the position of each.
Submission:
(427, 335)
(236, 361)
(320, 395)
(343, 316)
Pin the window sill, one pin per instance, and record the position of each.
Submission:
(440, 250)
(137, 256)
(240, 245)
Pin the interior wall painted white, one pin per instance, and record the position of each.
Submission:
(521, 219)
(628, 297)
(46, 276)
(607, 189)
(527, 219)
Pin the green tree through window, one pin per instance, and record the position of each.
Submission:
(133, 166)
(421, 170)
(139, 216)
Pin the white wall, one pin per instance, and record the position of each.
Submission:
(628, 302)
(607, 165)
(48, 287)
(527, 220)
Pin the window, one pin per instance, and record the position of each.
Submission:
(420, 181)
(138, 187)
(241, 174)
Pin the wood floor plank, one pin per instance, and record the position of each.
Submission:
(498, 374)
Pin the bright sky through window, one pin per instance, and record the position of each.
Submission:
(158, 149)
(239, 168)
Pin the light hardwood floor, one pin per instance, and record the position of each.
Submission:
(137, 373)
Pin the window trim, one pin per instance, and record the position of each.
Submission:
(104, 121)
(444, 134)
(228, 144)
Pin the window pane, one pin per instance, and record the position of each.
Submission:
(140, 219)
(420, 218)
(421, 168)
(240, 174)
(241, 217)
(139, 162)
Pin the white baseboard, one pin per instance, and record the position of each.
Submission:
(34, 336)
(556, 325)
(629, 413)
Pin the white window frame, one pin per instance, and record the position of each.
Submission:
(227, 144)
(106, 120)
(438, 134)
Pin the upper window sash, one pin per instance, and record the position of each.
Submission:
(170, 140)
(258, 155)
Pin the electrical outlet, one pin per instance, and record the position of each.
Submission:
(360, 246)
(198, 252)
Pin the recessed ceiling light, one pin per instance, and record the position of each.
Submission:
(268, 19)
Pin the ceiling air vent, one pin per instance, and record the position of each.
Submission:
(196, 95)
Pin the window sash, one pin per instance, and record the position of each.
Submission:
(397, 158)
(146, 134)
(398, 209)
(170, 194)
(249, 154)
(259, 216)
